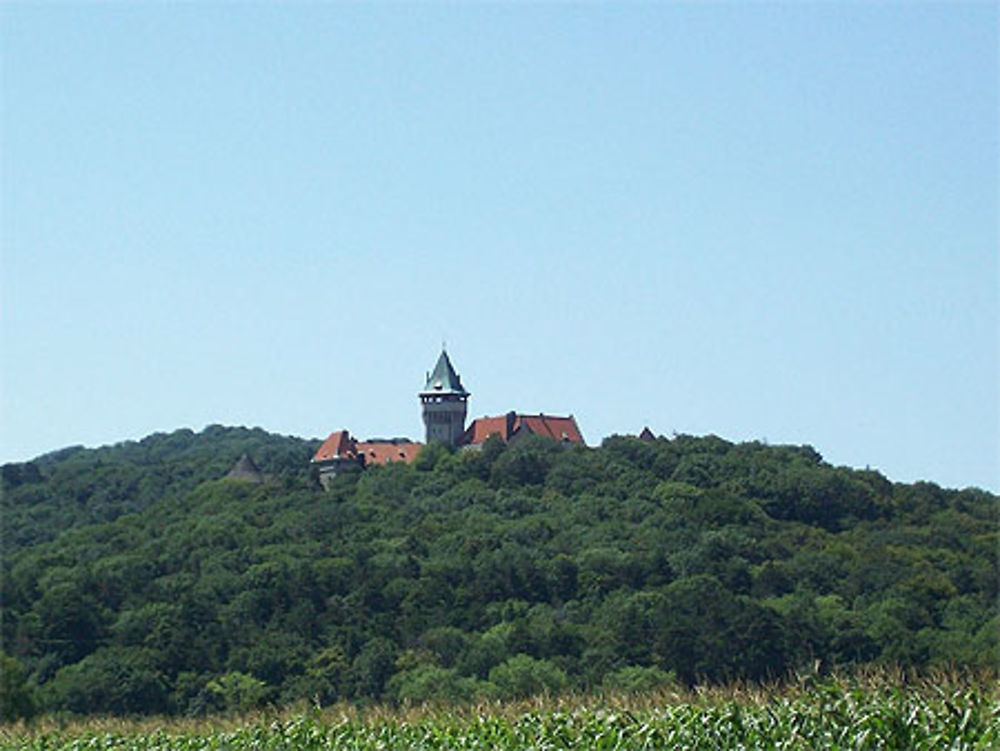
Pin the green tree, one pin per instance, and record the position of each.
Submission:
(434, 683)
(525, 463)
(237, 692)
(523, 675)
(17, 699)
(692, 629)
(373, 667)
(430, 455)
(120, 680)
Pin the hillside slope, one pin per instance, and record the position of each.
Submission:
(74, 487)
(135, 580)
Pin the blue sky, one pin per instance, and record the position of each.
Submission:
(765, 221)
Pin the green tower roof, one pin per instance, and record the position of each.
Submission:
(443, 379)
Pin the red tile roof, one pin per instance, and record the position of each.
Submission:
(556, 428)
(339, 445)
(384, 452)
(481, 429)
(505, 426)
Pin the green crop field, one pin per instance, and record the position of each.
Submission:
(932, 713)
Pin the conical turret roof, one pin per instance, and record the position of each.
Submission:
(245, 469)
(443, 379)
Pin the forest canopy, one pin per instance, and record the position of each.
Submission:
(136, 578)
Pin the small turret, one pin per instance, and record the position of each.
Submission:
(245, 470)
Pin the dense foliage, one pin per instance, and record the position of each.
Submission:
(830, 715)
(135, 580)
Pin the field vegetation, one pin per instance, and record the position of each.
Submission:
(886, 710)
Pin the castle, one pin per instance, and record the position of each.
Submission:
(444, 404)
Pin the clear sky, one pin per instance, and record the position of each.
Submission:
(765, 221)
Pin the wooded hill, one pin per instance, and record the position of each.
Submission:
(135, 580)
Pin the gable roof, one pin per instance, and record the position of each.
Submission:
(511, 424)
(339, 445)
(443, 379)
(556, 428)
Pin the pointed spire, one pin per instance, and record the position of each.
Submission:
(443, 379)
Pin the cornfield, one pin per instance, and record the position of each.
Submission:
(834, 714)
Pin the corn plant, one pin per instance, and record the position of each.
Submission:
(855, 714)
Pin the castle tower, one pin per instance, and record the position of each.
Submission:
(444, 403)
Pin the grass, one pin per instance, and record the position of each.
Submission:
(887, 710)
